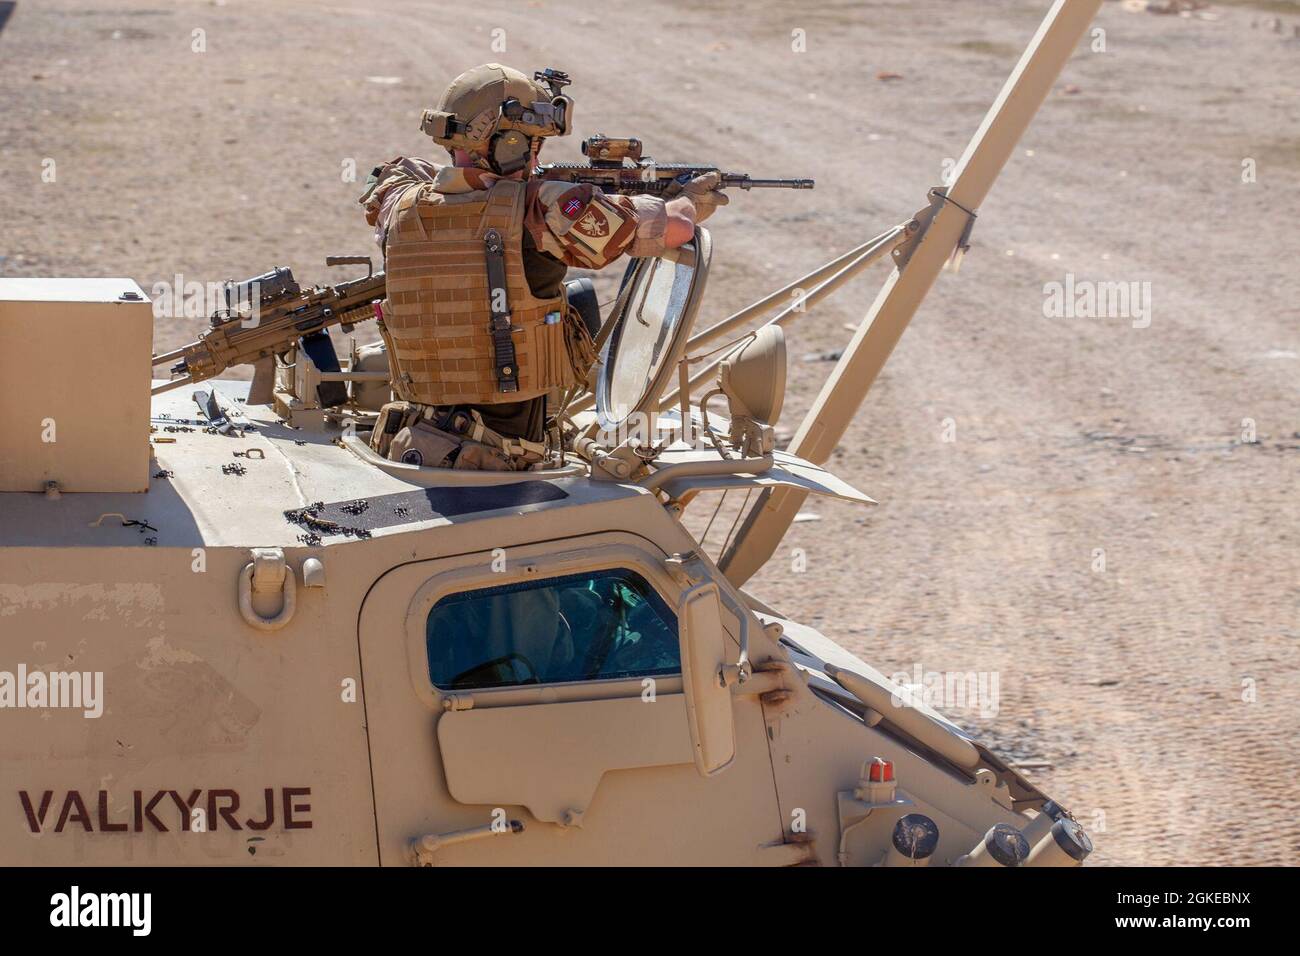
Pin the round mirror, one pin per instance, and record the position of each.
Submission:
(640, 357)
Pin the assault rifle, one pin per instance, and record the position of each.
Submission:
(617, 166)
(269, 314)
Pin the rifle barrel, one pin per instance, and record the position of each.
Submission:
(747, 182)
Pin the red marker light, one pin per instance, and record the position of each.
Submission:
(882, 771)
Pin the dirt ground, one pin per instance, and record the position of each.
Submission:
(1157, 695)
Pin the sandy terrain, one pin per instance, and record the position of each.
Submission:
(1158, 698)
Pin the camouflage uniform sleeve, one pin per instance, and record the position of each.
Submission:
(385, 187)
(583, 227)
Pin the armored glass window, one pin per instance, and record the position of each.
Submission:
(597, 625)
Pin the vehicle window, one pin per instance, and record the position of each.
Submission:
(592, 626)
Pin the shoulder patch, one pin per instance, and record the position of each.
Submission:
(595, 224)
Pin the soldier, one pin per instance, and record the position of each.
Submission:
(477, 324)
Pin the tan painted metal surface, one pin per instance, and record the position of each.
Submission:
(554, 766)
(76, 406)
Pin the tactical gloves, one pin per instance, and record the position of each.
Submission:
(705, 195)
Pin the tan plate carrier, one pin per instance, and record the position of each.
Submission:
(439, 313)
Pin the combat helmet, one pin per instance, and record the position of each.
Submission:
(494, 113)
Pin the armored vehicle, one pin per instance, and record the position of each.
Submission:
(230, 632)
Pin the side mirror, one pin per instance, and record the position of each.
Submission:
(708, 699)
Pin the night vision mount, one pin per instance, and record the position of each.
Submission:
(557, 80)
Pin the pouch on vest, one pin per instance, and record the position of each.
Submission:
(391, 419)
(422, 444)
(476, 456)
(579, 348)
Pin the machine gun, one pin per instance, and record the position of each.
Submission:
(268, 314)
(617, 166)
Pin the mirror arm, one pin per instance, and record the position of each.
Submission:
(740, 671)
(720, 466)
(689, 570)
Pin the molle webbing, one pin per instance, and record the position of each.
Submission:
(439, 314)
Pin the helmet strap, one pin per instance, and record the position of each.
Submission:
(534, 147)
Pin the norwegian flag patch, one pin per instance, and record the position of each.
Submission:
(572, 207)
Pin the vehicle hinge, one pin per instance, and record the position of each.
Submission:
(686, 569)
